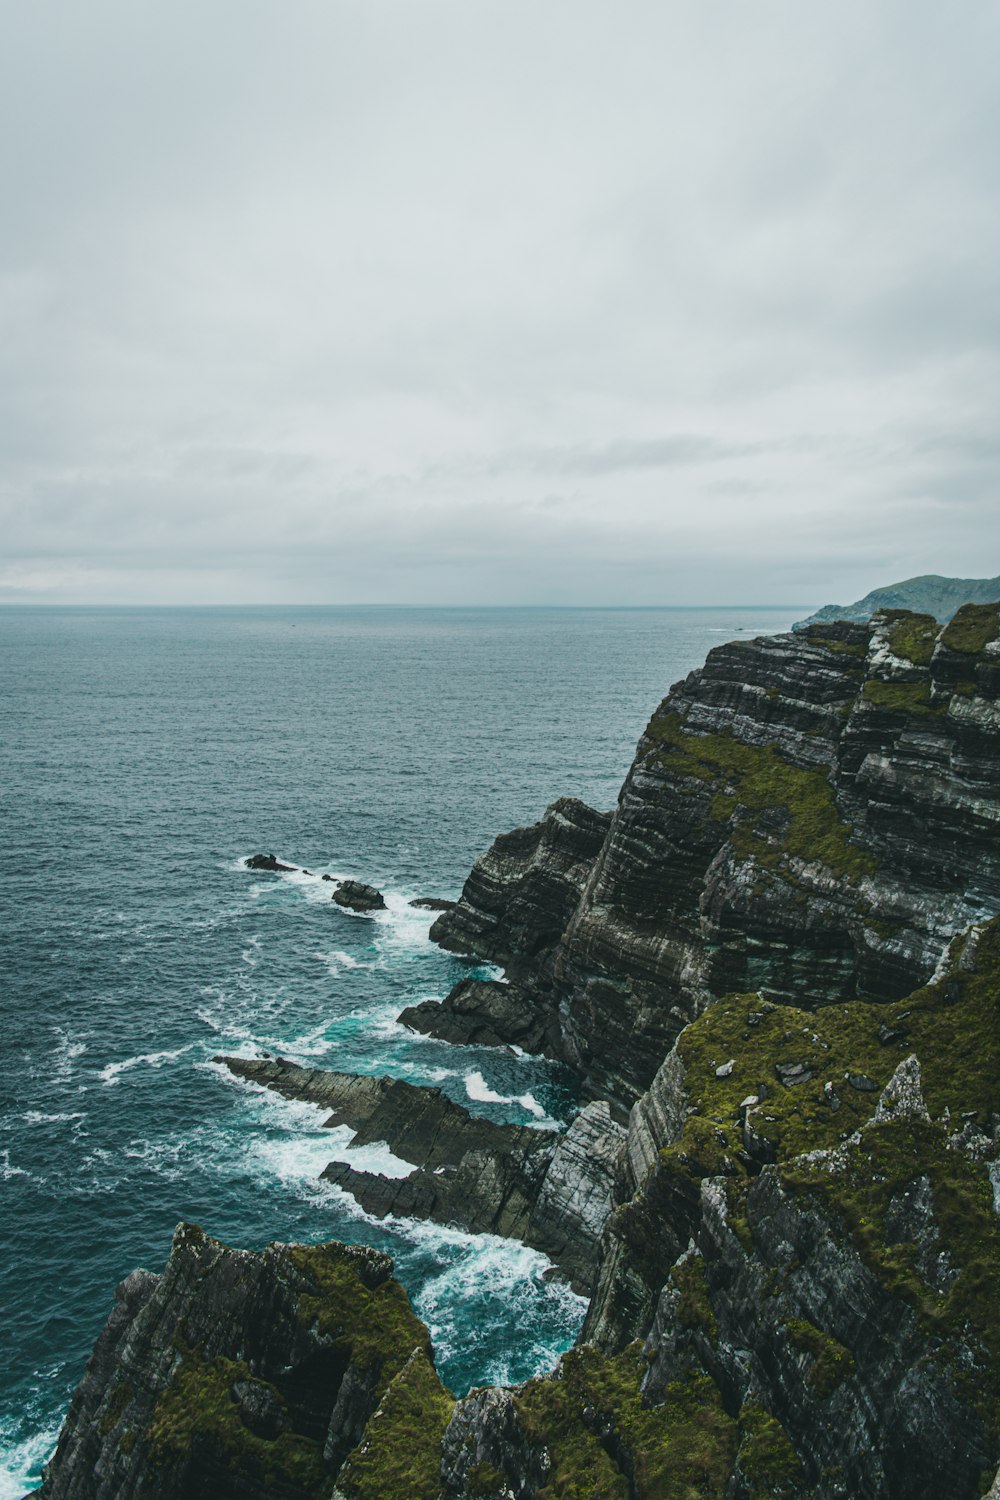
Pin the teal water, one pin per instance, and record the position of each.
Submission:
(144, 754)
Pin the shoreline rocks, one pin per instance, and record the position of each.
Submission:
(552, 1190)
(267, 862)
(355, 895)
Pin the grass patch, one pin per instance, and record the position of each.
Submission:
(767, 1461)
(378, 1325)
(972, 628)
(694, 1309)
(400, 1453)
(679, 1450)
(900, 697)
(832, 1363)
(196, 1421)
(913, 637)
(757, 780)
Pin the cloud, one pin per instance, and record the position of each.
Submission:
(497, 302)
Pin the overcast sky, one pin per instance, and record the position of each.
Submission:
(568, 301)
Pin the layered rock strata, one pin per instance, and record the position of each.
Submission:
(798, 1300)
(244, 1376)
(551, 1190)
(813, 816)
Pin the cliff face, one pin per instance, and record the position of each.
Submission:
(798, 1299)
(811, 816)
(799, 1292)
(242, 1376)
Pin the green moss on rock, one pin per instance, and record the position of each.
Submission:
(831, 1362)
(900, 697)
(694, 1309)
(767, 1462)
(378, 1324)
(400, 1454)
(972, 628)
(912, 637)
(757, 779)
(675, 1451)
(952, 1025)
(196, 1419)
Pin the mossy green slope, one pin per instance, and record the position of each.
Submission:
(400, 1453)
(605, 1444)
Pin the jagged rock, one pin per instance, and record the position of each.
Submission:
(236, 1375)
(551, 1190)
(523, 890)
(357, 896)
(431, 903)
(421, 1125)
(829, 1290)
(484, 1013)
(812, 815)
(266, 862)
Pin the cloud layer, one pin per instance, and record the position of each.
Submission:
(450, 302)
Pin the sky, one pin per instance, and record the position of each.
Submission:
(454, 302)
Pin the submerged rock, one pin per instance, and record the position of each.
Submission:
(357, 896)
(431, 903)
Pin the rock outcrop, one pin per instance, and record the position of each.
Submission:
(243, 1376)
(267, 862)
(812, 816)
(355, 895)
(484, 1013)
(552, 1190)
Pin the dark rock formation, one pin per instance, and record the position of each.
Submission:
(266, 862)
(431, 903)
(929, 594)
(521, 894)
(241, 1376)
(837, 1269)
(551, 1190)
(357, 896)
(483, 1012)
(812, 816)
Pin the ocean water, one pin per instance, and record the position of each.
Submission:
(145, 753)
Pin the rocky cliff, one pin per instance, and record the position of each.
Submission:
(241, 1376)
(776, 971)
(812, 816)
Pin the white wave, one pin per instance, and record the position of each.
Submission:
(8, 1170)
(338, 960)
(65, 1054)
(376, 1157)
(109, 1075)
(477, 1088)
(502, 1278)
(36, 1117)
(21, 1460)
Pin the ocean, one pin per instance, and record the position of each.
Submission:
(145, 754)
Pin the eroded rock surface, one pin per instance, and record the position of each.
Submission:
(552, 1190)
(239, 1375)
(357, 896)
